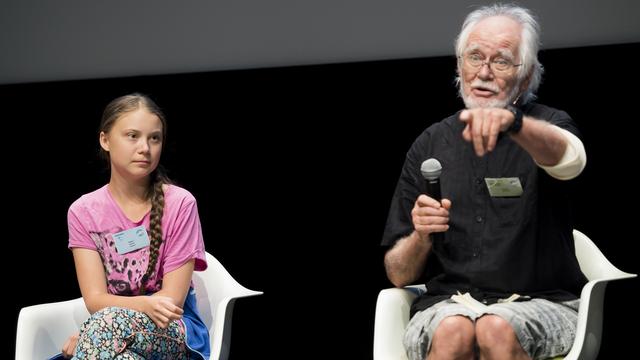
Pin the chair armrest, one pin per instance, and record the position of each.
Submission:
(589, 328)
(391, 319)
(43, 329)
(590, 315)
(220, 332)
(593, 263)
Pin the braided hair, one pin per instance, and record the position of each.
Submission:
(155, 193)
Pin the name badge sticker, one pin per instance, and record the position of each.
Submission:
(131, 239)
(504, 187)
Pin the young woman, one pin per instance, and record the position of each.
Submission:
(136, 242)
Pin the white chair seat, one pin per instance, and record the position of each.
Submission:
(392, 307)
(43, 329)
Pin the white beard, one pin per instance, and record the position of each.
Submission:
(473, 103)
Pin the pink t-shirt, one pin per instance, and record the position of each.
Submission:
(95, 216)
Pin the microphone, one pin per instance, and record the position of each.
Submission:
(431, 170)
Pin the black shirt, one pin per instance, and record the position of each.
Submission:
(495, 246)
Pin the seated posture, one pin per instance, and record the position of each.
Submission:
(496, 250)
(136, 242)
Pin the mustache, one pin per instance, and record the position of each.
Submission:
(485, 85)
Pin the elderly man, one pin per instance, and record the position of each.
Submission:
(507, 281)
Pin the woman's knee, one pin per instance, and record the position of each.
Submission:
(110, 311)
(104, 317)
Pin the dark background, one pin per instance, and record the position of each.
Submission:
(293, 169)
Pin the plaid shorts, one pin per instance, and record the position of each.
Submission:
(545, 329)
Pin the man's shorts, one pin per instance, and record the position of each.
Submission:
(545, 329)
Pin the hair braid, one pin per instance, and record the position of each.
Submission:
(156, 194)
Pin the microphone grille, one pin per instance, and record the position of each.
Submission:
(431, 169)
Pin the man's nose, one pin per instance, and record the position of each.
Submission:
(485, 71)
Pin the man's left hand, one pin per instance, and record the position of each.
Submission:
(483, 127)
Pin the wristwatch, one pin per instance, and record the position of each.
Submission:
(516, 125)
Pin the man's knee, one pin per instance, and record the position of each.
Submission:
(454, 335)
(493, 331)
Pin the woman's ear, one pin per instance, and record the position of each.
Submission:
(104, 141)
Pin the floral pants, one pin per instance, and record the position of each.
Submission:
(119, 333)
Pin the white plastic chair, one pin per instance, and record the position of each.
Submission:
(392, 307)
(43, 329)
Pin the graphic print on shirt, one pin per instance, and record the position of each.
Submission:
(124, 271)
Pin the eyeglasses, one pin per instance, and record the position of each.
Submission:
(500, 65)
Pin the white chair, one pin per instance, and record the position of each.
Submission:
(43, 329)
(392, 307)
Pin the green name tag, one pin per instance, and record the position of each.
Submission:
(504, 187)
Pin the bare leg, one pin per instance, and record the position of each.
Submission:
(497, 340)
(453, 339)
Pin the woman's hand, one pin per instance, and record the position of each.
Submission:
(162, 310)
(69, 347)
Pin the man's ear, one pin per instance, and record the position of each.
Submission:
(525, 83)
(104, 141)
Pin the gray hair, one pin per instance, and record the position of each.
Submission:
(529, 44)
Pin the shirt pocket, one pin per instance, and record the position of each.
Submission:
(508, 210)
